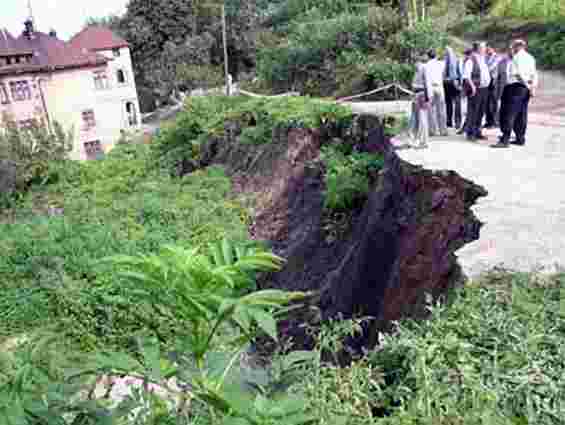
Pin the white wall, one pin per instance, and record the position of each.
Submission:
(71, 92)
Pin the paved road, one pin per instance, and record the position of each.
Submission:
(524, 213)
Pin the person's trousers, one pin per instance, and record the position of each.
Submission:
(452, 104)
(514, 112)
(492, 107)
(476, 111)
(419, 122)
(438, 120)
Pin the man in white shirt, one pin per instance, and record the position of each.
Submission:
(476, 78)
(434, 79)
(419, 129)
(522, 83)
(466, 56)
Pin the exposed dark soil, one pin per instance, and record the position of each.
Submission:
(378, 259)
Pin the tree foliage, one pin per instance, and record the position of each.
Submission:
(166, 35)
(34, 150)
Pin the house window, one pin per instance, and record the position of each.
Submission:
(20, 90)
(131, 114)
(116, 53)
(101, 80)
(121, 75)
(88, 120)
(4, 94)
(93, 150)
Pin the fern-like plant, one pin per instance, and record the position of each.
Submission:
(203, 288)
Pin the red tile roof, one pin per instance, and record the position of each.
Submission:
(95, 38)
(49, 53)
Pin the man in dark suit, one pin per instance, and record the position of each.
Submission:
(522, 83)
(476, 77)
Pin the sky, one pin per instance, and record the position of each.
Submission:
(67, 17)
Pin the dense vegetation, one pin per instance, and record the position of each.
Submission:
(319, 48)
(35, 153)
(142, 278)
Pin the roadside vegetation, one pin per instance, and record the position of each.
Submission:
(540, 23)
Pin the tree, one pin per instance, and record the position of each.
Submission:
(164, 35)
(33, 150)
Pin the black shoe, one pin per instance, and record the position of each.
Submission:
(460, 131)
(518, 142)
(500, 144)
(481, 137)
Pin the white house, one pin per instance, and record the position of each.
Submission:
(85, 84)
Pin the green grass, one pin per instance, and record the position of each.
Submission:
(48, 270)
(495, 355)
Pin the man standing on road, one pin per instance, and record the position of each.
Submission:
(477, 81)
(466, 56)
(502, 83)
(522, 83)
(434, 76)
(492, 60)
(419, 120)
(452, 88)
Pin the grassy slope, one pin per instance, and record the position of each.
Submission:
(121, 205)
(494, 356)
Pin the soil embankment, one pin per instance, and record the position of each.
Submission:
(377, 259)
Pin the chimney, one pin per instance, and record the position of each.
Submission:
(29, 30)
(53, 33)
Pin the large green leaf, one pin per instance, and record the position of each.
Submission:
(265, 321)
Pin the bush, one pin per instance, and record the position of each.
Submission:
(206, 116)
(120, 204)
(317, 42)
(36, 150)
(379, 74)
(495, 355)
(347, 176)
(546, 9)
(549, 46)
(424, 35)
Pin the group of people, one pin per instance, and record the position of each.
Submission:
(497, 88)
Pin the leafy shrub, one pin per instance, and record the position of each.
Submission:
(529, 8)
(549, 46)
(315, 42)
(424, 35)
(206, 116)
(495, 355)
(200, 76)
(204, 289)
(380, 74)
(298, 10)
(35, 150)
(117, 205)
(347, 176)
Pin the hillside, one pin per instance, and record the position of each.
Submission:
(103, 290)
